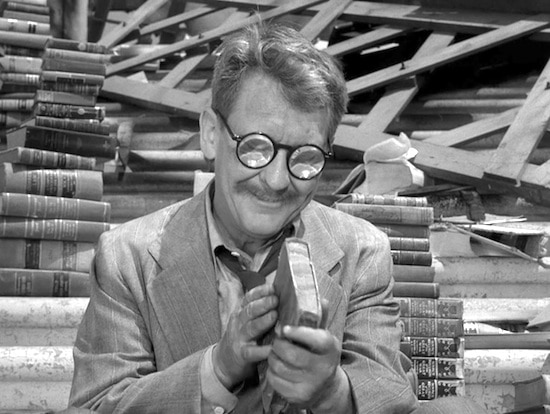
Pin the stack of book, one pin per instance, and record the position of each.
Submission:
(406, 221)
(51, 216)
(433, 338)
(36, 11)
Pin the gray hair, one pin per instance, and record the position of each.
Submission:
(311, 80)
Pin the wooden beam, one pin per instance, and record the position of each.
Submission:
(137, 17)
(454, 52)
(175, 20)
(172, 101)
(209, 36)
(182, 70)
(512, 155)
(326, 16)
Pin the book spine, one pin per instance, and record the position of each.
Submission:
(51, 229)
(26, 40)
(410, 257)
(50, 53)
(33, 17)
(431, 308)
(420, 216)
(80, 89)
(32, 79)
(438, 327)
(358, 198)
(72, 142)
(91, 126)
(441, 368)
(69, 111)
(430, 389)
(72, 77)
(26, 7)
(26, 282)
(23, 105)
(24, 26)
(49, 182)
(7, 49)
(47, 207)
(410, 243)
(402, 230)
(66, 98)
(416, 290)
(436, 347)
(76, 46)
(74, 66)
(407, 273)
(47, 159)
(20, 64)
(46, 254)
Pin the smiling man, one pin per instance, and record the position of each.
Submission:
(170, 328)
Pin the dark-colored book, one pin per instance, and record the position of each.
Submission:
(430, 327)
(383, 214)
(92, 90)
(430, 389)
(91, 126)
(404, 230)
(432, 308)
(20, 178)
(407, 273)
(410, 243)
(66, 98)
(63, 140)
(416, 290)
(48, 207)
(69, 111)
(46, 159)
(532, 393)
(440, 368)
(411, 257)
(71, 77)
(75, 45)
(436, 346)
(65, 65)
(51, 229)
(47, 283)
(46, 254)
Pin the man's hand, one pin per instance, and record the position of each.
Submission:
(237, 353)
(303, 365)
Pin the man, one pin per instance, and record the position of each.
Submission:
(170, 328)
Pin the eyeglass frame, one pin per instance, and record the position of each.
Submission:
(276, 146)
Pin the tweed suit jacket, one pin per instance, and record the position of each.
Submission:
(154, 310)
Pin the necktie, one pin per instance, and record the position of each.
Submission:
(249, 278)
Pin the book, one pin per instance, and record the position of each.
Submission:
(46, 159)
(92, 126)
(15, 78)
(438, 367)
(382, 199)
(417, 290)
(432, 308)
(410, 243)
(7, 49)
(74, 45)
(81, 89)
(533, 392)
(33, 17)
(22, 105)
(47, 207)
(69, 111)
(67, 98)
(24, 26)
(404, 230)
(66, 65)
(411, 257)
(436, 346)
(71, 77)
(20, 178)
(25, 7)
(50, 283)
(431, 327)
(541, 409)
(66, 54)
(430, 389)
(509, 340)
(20, 64)
(51, 229)
(419, 216)
(46, 254)
(25, 40)
(408, 273)
(63, 140)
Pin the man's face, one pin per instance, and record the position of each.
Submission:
(255, 204)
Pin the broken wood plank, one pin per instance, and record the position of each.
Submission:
(327, 14)
(520, 140)
(182, 70)
(175, 20)
(134, 20)
(172, 101)
(209, 36)
(454, 52)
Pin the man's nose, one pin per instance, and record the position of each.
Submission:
(276, 174)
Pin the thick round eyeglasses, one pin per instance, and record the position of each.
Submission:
(256, 150)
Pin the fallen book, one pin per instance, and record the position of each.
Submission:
(69, 111)
(20, 64)
(51, 229)
(47, 283)
(91, 126)
(66, 98)
(47, 159)
(383, 214)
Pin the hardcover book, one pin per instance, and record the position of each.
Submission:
(440, 368)
(411, 257)
(48, 283)
(416, 290)
(432, 308)
(66, 98)
(47, 159)
(420, 216)
(532, 393)
(69, 111)
(51, 229)
(432, 327)
(429, 389)
(436, 347)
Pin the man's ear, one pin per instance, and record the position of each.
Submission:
(208, 133)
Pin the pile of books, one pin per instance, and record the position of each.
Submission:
(36, 11)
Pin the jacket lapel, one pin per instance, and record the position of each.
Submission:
(183, 294)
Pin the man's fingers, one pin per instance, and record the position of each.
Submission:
(254, 353)
(318, 341)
